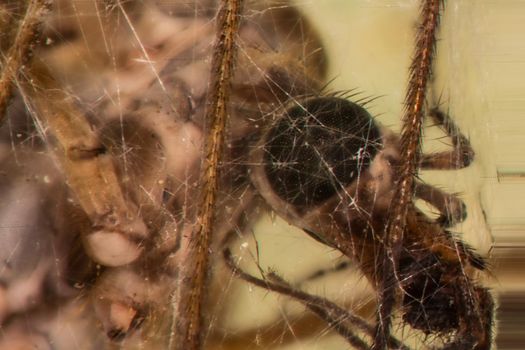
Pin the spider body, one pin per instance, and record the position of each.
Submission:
(107, 130)
(347, 174)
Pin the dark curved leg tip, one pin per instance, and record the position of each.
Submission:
(116, 334)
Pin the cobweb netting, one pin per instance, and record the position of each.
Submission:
(139, 71)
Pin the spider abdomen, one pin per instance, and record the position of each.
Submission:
(429, 301)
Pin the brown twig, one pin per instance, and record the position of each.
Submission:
(190, 293)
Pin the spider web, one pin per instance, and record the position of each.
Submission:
(116, 59)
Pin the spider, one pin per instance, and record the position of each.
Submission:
(328, 168)
(105, 130)
(338, 189)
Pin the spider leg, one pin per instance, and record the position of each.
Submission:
(462, 154)
(339, 319)
(451, 208)
(420, 72)
(91, 174)
(21, 49)
(115, 225)
(343, 265)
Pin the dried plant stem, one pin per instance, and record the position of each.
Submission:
(193, 276)
(20, 51)
(420, 71)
